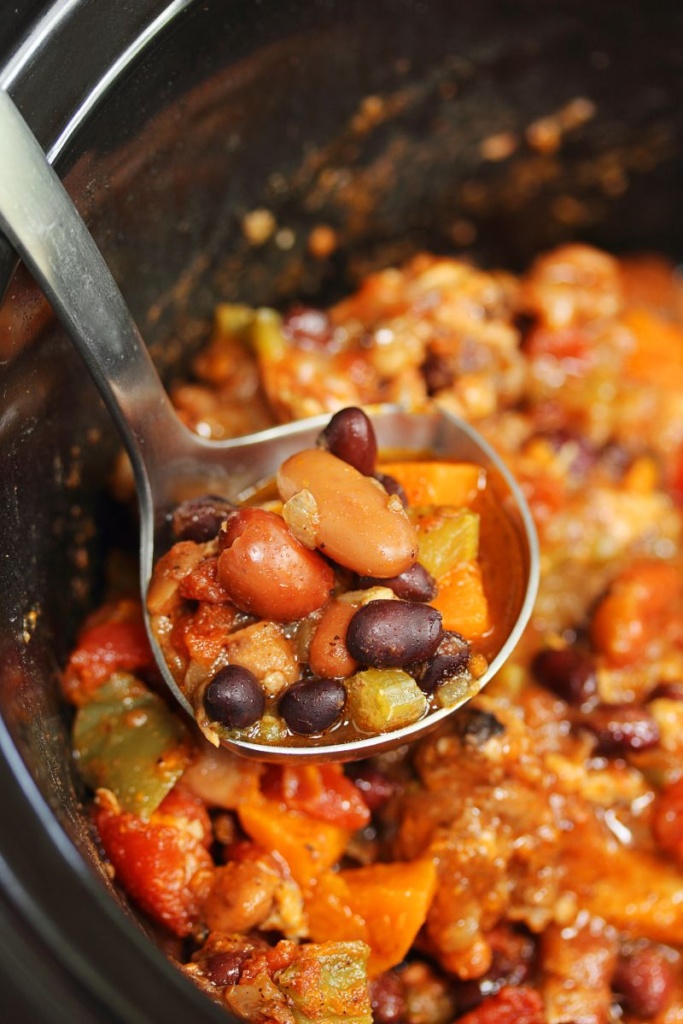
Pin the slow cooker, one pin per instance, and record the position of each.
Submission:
(399, 124)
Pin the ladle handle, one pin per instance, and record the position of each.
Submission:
(42, 223)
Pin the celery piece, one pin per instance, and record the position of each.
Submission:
(266, 336)
(379, 699)
(327, 983)
(127, 740)
(447, 538)
(453, 691)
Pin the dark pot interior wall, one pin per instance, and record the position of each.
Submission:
(371, 118)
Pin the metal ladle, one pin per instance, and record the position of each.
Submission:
(171, 463)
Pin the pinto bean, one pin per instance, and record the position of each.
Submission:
(328, 655)
(267, 571)
(242, 894)
(390, 634)
(359, 525)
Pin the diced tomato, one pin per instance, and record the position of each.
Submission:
(511, 1005)
(102, 649)
(163, 864)
(203, 634)
(322, 792)
(570, 344)
(201, 584)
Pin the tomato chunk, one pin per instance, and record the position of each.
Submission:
(322, 792)
(163, 863)
(102, 649)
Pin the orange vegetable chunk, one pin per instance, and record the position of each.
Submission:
(310, 847)
(657, 358)
(393, 900)
(462, 601)
(438, 483)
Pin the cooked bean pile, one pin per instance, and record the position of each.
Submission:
(329, 579)
(525, 862)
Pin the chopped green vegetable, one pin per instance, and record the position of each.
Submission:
(453, 691)
(327, 983)
(128, 741)
(235, 319)
(447, 538)
(379, 699)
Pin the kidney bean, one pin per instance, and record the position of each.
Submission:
(568, 673)
(644, 980)
(351, 437)
(415, 584)
(438, 372)
(621, 729)
(200, 519)
(328, 655)
(234, 697)
(360, 526)
(387, 999)
(267, 571)
(449, 659)
(308, 328)
(225, 968)
(392, 486)
(373, 784)
(390, 634)
(312, 705)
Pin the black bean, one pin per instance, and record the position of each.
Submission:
(225, 968)
(234, 698)
(392, 486)
(568, 673)
(475, 727)
(644, 980)
(387, 999)
(415, 584)
(449, 660)
(199, 519)
(351, 436)
(389, 634)
(312, 705)
(621, 728)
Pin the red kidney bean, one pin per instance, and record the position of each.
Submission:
(392, 486)
(387, 999)
(621, 729)
(267, 571)
(200, 519)
(373, 784)
(568, 673)
(308, 328)
(390, 634)
(644, 980)
(225, 968)
(415, 584)
(312, 705)
(449, 659)
(438, 372)
(351, 437)
(234, 697)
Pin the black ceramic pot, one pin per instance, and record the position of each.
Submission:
(401, 124)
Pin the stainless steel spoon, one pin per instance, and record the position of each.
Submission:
(171, 463)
